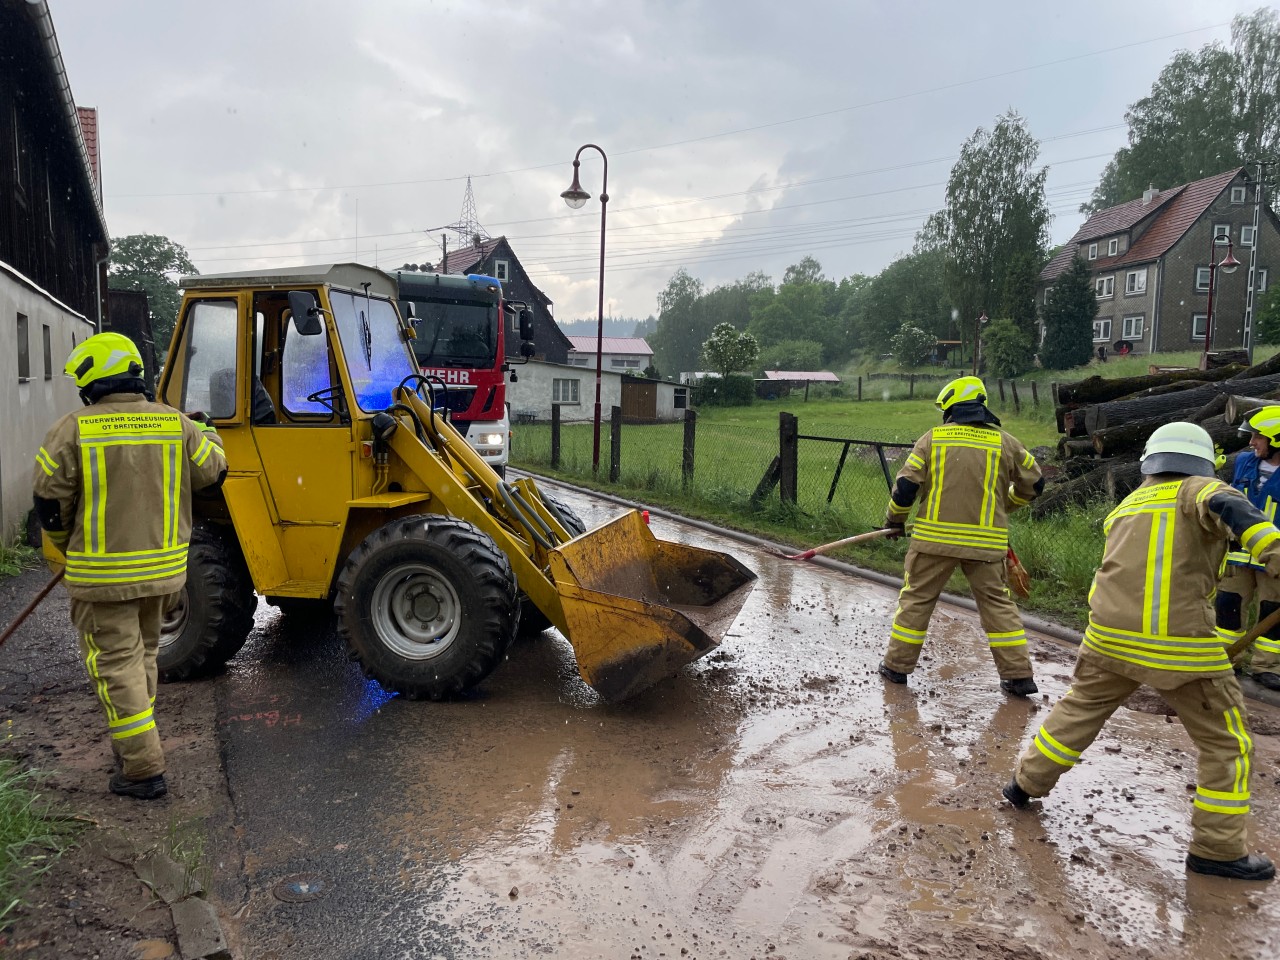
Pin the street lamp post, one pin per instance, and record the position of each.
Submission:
(575, 197)
(1228, 265)
(977, 338)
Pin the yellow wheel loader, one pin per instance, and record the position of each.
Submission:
(347, 487)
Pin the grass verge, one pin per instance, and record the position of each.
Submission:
(32, 837)
(15, 558)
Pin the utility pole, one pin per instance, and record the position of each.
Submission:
(1250, 293)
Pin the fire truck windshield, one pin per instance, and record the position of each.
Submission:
(456, 333)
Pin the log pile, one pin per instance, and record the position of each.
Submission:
(1105, 424)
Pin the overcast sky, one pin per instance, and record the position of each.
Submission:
(741, 135)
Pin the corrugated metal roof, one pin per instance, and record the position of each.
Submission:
(802, 376)
(1177, 209)
(611, 345)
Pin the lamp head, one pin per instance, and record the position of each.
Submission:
(1229, 264)
(575, 196)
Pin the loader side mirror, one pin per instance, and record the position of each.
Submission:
(526, 325)
(527, 349)
(306, 313)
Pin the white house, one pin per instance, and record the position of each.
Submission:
(619, 354)
(539, 385)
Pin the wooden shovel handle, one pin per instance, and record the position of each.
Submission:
(1260, 629)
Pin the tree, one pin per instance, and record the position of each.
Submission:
(729, 350)
(1018, 300)
(1007, 349)
(1269, 317)
(675, 340)
(995, 215)
(1068, 319)
(1207, 112)
(913, 346)
(792, 355)
(910, 291)
(149, 262)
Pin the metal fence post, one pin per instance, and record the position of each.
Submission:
(686, 453)
(859, 389)
(615, 443)
(555, 436)
(788, 456)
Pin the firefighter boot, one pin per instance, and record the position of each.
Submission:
(1016, 795)
(893, 676)
(152, 788)
(1021, 687)
(1254, 866)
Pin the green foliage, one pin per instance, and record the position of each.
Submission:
(149, 262)
(792, 355)
(729, 350)
(1208, 111)
(1007, 351)
(31, 838)
(652, 372)
(995, 220)
(16, 558)
(677, 338)
(908, 292)
(735, 390)
(1018, 300)
(1268, 323)
(913, 346)
(1068, 319)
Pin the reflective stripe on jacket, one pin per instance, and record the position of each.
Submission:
(122, 472)
(968, 477)
(1151, 613)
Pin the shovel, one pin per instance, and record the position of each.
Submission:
(1261, 628)
(827, 547)
(30, 608)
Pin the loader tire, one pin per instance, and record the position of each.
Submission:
(214, 613)
(427, 606)
(532, 620)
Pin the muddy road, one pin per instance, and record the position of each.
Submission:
(776, 800)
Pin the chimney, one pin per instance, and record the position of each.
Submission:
(1149, 194)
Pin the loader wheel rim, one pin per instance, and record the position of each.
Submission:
(175, 620)
(416, 611)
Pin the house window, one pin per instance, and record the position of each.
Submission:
(1202, 279)
(1093, 251)
(1260, 282)
(500, 270)
(1135, 283)
(681, 399)
(1198, 322)
(24, 350)
(1113, 247)
(1222, 230)
(1047, 292)
(1105, 287)
(48, 353)
(618, 362)
(1133, 328)
(1102, 330)
(1246, 236)
(564, 391)
(1238, 194)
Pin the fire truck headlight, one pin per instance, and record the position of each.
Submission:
(492, 439)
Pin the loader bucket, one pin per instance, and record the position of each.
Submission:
(638, 608)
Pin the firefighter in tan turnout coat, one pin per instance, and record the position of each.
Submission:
(112, 491)
(1151, 620)
(967, 475)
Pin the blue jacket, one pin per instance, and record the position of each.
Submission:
(1264, 498)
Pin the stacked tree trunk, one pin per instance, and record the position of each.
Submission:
(1106, 423)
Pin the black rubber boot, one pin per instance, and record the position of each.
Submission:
(1022, 687)
(152, 788)
(1016, 795)
(1269, 680)
(1255, 866)
(893, 676)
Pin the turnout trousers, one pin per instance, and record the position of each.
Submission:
(924, 577)
(119, 642)
(1235, 592)
(1212, 712)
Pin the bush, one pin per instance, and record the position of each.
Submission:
(735, 390)
(1269, 317)
(1007, 349)
(913, 346)
(792, 355)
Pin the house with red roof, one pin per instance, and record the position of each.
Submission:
(620, 354)
(1150, 262)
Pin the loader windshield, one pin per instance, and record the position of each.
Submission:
(376, 354)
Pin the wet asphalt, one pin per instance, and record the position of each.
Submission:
(776, 799)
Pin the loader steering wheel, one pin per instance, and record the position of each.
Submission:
(327, 398)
